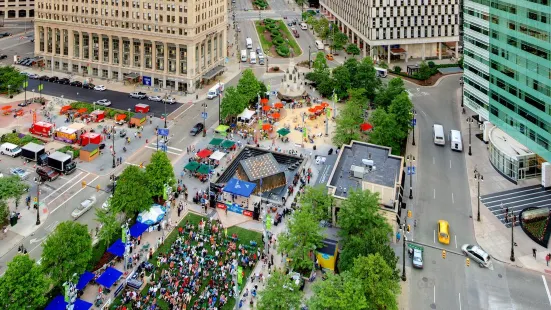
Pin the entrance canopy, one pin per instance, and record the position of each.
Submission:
(59, 304)
(239, 187)
(117, 248)
(213, 72)
(109, 277)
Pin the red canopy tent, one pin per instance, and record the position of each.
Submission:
(276, 115)
(264, 101)
(366, 127)
(278, 105)
(267, 127)
(204, 153)
(266, 108)
(324, 104)
(312, 110)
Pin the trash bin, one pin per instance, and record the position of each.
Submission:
(13, 220)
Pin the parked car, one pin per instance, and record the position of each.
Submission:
(329, 57)
(44, 78)
(5, 34)
(33, 76)
(20, 172)
(155, 98)
(122, 133)
(99, 88)
(417, 259)
(76, 83)
(88, 86)
(138, 95)
(197, 129)
(53, 79)
(103, 102)
(83, 207)
(3, 56)
(477, 254)
(64, 81)
(47, 174)
(24, 103)
(170, 100)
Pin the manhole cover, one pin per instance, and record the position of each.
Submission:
(433, 306)
(499, 275)
(425, 279)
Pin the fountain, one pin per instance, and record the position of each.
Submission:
(293, 86)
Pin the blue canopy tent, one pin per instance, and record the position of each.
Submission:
(117, 248)
(109, 277)
(59, 304)
(86, 277)
(239, 187)
(138, 229)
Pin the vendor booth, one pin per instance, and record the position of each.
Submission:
(59, 303)
(98, 116)
(89, 152)
(66, 134)
(141, 108)
(222, 129)
(90, 138)
(327, 254)
(154, 215)
(137, 119)
(246, 116)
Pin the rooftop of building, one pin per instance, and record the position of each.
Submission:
(260, 167)
(507, 144)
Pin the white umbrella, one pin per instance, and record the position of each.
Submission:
(154, 215)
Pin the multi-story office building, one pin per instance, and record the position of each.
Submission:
(171, 44)
(11, 9)
(398, 29)
(507, 80)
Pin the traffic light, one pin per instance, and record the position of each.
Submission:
(444, 254)
(97, 188)
(409, 213)
(468, 262)
(83, 184)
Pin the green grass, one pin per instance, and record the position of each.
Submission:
(267, 44)
(245, 236)
(297, 51)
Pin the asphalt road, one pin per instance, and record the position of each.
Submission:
(17, 44)
(441, 192)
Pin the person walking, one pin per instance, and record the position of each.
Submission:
(547, 258)
(534, 252)
(398, 235)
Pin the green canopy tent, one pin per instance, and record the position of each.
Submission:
(227, 144)
(283, 131)
(222, 128)
(216, 141)
(192, 166)
(203, 169)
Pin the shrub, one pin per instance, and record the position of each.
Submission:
(65, 149)
(272, 27)
(275, 68)
(397, 69)
(431, 64)
(275, 33)
(269, 21)
(283, 50)
(278, 41)
(20, 140)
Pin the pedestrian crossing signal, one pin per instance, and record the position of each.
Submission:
(468, 262)
(35, 199)
(97, 188)
(444, 254)
(83, 184)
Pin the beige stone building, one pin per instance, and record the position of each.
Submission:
(11, 9)
(169, 44)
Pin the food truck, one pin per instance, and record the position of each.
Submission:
(97, 116)
(141, 108)
(66, 134)
(42, 129)
(90, 137)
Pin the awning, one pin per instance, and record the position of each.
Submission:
(117, 248)
(222, 128)
(216, 141)
(192, 166)
(397, 51)
(86, 277)
(227, 144)
(138, 229)
(247, 114)
(213, 72)
(132, 75)
(283, 131)
(203, 169)
(204, 153)
(239, 187)
(59, 304)
(109, 277)
(217, 155)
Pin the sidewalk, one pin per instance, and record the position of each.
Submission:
(26, 225)
(490, 233)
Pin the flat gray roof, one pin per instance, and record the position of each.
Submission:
(450, 70)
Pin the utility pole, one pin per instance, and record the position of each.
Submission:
(404, 254)
(479, 177)
(470, 120)
(37, 203)
(411, 159)
(513, 217)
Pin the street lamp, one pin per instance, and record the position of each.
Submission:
(267, 65)
(219, 103)
(470, 120)
(404, 253)
(9, 88)
(514, 218)
(204, 105)
(37, 203)
(479, 177)
(411, 159)
(414, 120)
(309, 57)
(113, 134)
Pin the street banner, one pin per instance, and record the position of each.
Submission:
(268, 222)
(123, 236)
(239, 275)
(328, 112)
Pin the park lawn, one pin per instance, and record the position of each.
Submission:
(267, 44)
(245, 236)
(297, 51)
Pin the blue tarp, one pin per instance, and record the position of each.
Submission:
(138, 229)
(86, 277)
(117, 248)
(59, 304)
(109, 277)
(239, 187)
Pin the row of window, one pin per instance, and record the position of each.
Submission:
(496, 98)
(414, 32)
(378, 3)
(528, 47)
(540, 68)
(412, 21)
(519, 93)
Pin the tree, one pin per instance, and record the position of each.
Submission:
(66, 251)
(348, 124)
(378, 282)
(249, 86)
(425, 71)
(339, 40)
(320, 64)
(337, 292)
(366, 78)
(23, 286)
(10, 76)
(318, 201)
(360, 212)
(401, 108)
(322, 28)
(388, 93)
(160, 174)
(109, 224)
(12, 187)
(385, 130)
(133, 193)
(353, 49)
(341, 77)
(233, 103)
(326, 87)
(303, 236)
(365, 243)
(4, 212)
(277, 286)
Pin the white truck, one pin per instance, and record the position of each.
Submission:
(253, 58)
(244, 55)
(215, 90)
(249, 43)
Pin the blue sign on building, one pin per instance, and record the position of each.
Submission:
(162, 132)
(146, 80)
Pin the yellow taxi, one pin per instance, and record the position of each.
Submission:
(443, 232)
(329, 57)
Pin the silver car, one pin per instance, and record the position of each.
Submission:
(417, 259)
(103, 102)
(477, 254)
(83, 207)
(155, 98)
(170, 100)
(20, 172)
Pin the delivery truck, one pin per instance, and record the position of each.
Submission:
(215, 90)
(62, 162)
(34, 152)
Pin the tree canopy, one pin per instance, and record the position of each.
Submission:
(12, 187)
(365, 243)
(349, 119)
(159, 174)
(385, 130)
(10, 76)
(360, 212)
(353, 49)
(384, 97)
(248, 86)
(338, 292)
(277, 286)
(23, 286)
(318, 201)
(320, 64)
(233, 103)
(109, 224)
(339, 40)
(66, 251)
(133, 193)
(401, 109)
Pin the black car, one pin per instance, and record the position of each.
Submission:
(76, 83)
(5, 34)
(44, 78)
(88, 86)
(23, 60)
(65, 81)
(197, 129)
(3, 56)
(53, 79)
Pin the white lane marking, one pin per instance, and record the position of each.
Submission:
(434, 194)
(434, 236)
(455, 236)
(69, 188)
(178, 116)
(149, 147)
(76, 176)
(434, 299)
(425, 114)
(453, 200)
(70, 198)
(459, 301)
(546, 288)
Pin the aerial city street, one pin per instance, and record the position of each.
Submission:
(275, 154)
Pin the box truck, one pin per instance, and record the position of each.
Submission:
(62, 162)
(34, 152)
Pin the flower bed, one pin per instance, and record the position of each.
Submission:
(537, 228)
(535, 223)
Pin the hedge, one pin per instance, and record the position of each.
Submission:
(19, 139)
(67, 148)
(109, 112)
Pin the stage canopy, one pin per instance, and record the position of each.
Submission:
(59, 304)
(239, 187)
(247, 114)
(138, 229)
(204, 153)
(217, 155)
(109, 277)
(117, 248)
(86, 277)
(192, 166)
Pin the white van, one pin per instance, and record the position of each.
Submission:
(456, 142)
(252, 58)
(303, 26)
(10, 149)
(244, 55)
(249, 43)
(381, 72)
(320, 45)
(260, 59)
(438, 133)
(215, 90)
